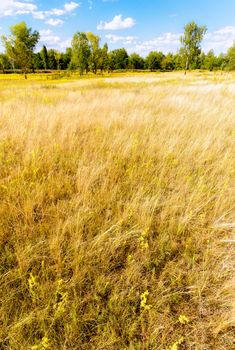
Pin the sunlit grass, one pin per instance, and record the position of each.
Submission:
(116, 202)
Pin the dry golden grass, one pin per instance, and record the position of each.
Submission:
(116, 213)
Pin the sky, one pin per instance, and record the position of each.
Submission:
(138, 25)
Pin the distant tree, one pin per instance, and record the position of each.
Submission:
(136, 61)
(201, 59)
(178, 61)
(210, 61)
(37, 61)
(4, 62)
(94, 41)
(81, 52)
(118, 59)
(20, 45)
(195, 63)
(168, 62)
(66, 58)
(52, 63)
(154, 60)
(231, 58)
(221, 61)
(111, 61)
(44, 56)
(103, 58)
(58, 57)
(191, 43)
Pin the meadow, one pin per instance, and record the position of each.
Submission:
(117, 212)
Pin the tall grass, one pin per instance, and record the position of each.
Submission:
(116, 214)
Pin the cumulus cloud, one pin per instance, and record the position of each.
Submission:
(71, 6)
(54, 22)
(52, 41)
(219, 40)
(64, 44)
(14, 7)
(22, 7)
(126, 40)
(67, 8)
(48, 38)
(117, 23)
(166, 42)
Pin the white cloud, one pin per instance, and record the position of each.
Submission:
(55, 12)
(167, 42)
(64, 44)
(22, 7)
(219, 40)
(163, 40)
(52, 41)
(71, 6)
(126, 40)
(14, 7)
(68, 8)
(54, 22)
(48, 38)
(117, 23)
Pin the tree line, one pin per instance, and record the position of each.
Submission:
(87, 55)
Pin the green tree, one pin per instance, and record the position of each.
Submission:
(136, 61)
(191, 43)
(37, 61)
(94, 41)
(66, 58)
(58, 57)
(154, 60)
(118, 59)
(81, 52)
(178, 62)
(221, 61)
(168, 63)
(202, 58)
(103, 58)
(44, 56)
(52, 63)
(111, 61)
(4, 62)
(210, 61)
(231, 58)
(20, 45)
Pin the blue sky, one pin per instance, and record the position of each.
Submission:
(138, 25)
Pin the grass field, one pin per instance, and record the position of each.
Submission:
(117, 212)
